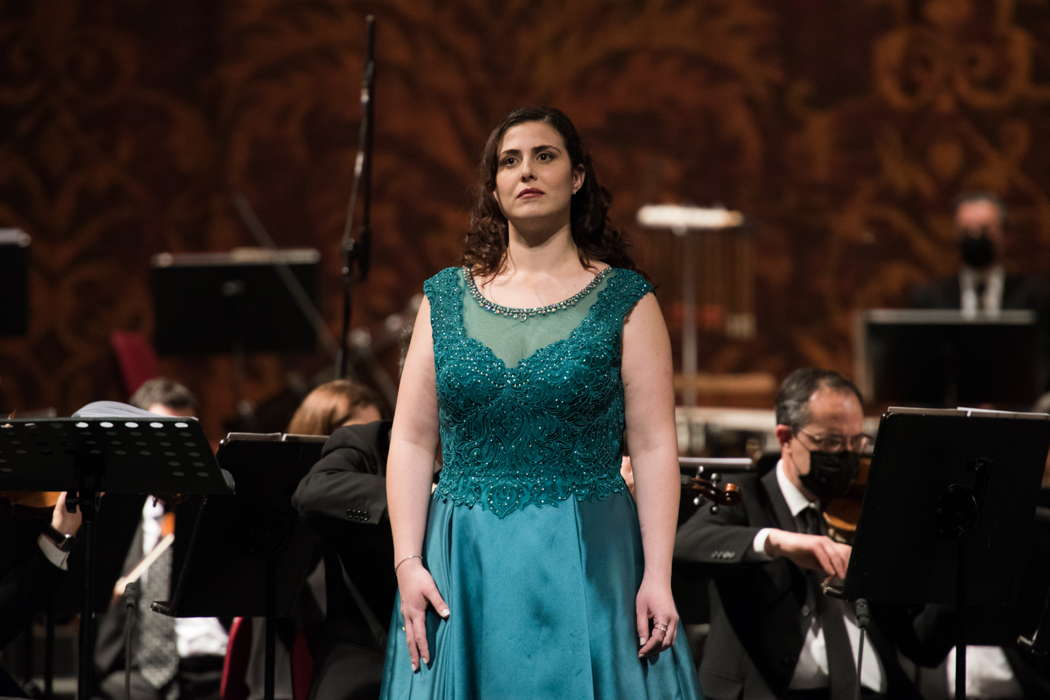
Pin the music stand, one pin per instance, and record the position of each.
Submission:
(86, 456)
(942, 357)
(958, 489)
(14, 281)
(251, 552)
(233, 302)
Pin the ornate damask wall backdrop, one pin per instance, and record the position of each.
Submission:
(842, 129)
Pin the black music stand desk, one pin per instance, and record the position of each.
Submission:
(234, 302)
(948, 516)
(251, 552)
(105, 448)
(942, 357)
(14, 281)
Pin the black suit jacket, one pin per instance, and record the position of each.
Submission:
(756, 617)
(344, 498)
(27, 579)
(1019, 292)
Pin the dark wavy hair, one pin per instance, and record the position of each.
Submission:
(595, 237)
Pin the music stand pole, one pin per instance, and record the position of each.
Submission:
(271, 627)
(960, 644)
(690, 362)
(88, 469)
(49, 650)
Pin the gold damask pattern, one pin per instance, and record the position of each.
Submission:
(129, 128)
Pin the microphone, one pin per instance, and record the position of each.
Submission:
(680, 218)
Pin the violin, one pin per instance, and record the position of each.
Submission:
(707, 487)
(842, 514)
(705, 482)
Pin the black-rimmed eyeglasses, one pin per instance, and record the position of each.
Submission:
(833, 442)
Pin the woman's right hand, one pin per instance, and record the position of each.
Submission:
(418, 591)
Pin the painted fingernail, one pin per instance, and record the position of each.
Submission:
(641, 641)
(443, 612)
(426, 661)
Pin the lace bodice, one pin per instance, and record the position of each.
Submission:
(541, 418)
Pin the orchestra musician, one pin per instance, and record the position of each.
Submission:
(348, 412)
(344, 497)
(982, 285)
(773, 634)
(35, 543)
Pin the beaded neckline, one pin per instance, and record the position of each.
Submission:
(526, 314)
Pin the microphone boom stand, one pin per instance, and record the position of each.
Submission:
(356, 251)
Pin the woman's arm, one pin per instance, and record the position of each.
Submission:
(651, 438)
(409, 473)
(413, 442)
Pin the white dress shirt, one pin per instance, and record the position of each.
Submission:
(53, 554)
(811, 671)
(991, 301)
(988, 676)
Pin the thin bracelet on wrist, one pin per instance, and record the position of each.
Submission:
(404, 559)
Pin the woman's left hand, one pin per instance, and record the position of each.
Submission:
(657, 617)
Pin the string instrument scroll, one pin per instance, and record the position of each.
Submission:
(702, 475)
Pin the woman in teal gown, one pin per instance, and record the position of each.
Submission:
(531, 571)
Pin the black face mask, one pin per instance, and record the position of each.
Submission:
(830, 473)
(977, 251)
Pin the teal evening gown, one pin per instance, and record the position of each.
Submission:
(532, 537)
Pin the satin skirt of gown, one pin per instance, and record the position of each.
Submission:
(542, 607)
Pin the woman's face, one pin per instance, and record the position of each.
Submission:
(535, 179)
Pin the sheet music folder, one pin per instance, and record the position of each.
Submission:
(239, 538)
(934, 471)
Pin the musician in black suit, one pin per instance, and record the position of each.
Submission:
(33, 561)
(773, 635)
(344, 497)
(982, 285)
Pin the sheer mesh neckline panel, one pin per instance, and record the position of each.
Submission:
(514, 339)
